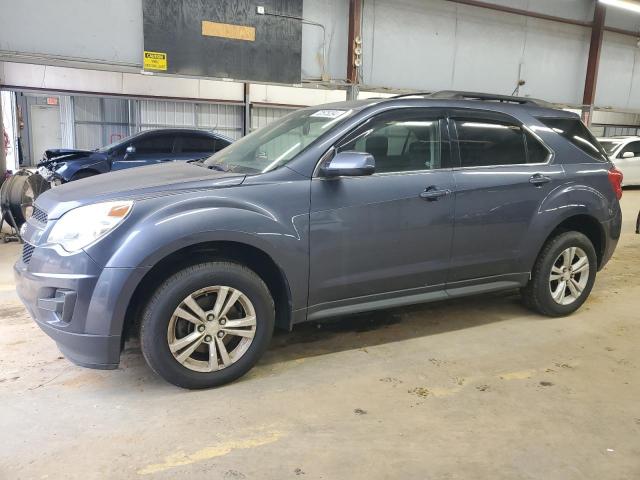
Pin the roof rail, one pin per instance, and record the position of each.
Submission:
(485, 97)
(488, 97)
(415, 94)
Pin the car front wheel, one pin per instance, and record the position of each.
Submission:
(563, 275)
(207, 325)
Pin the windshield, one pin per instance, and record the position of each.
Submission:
(609, 146)
(278, 143)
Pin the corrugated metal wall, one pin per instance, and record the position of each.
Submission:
(225, 119)
(221, 118)
(615, 130)
(262, 116)
(163, 114)
(100, 121)
(103, 120)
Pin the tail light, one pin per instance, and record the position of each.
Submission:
(615, 178)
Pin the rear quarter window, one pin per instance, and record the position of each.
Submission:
(573, 130)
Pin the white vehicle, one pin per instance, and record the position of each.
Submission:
(624, 152)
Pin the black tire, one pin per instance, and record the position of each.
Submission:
(82, 174)
(159, 310)
(18, 194)
(537, 294)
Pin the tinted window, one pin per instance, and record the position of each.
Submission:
(536, 152)
(400, 141)
(486, 142)
(198, 144)
(574, 130)
(632, 147)
(154, 144)
(220, 144)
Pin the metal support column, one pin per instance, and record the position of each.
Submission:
(354, 40)
(3, 157)
(591, 79)
(246, 126)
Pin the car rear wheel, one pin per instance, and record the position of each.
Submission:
(207, 325)
(563, 275)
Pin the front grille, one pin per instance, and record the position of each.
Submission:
(39, 215)
(27, 251)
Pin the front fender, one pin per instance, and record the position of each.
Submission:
(157, 228)
(100, 166)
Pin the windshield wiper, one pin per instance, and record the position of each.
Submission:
(219, 168)
(201, 162)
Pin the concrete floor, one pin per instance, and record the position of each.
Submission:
(472, 389)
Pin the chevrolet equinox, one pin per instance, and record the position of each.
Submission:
(331, 210)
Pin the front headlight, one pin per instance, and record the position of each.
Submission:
(83, 226)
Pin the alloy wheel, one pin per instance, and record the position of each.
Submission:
(211, 328)
(569, 275)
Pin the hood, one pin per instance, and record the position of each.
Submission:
(135, 183)
(63, 155)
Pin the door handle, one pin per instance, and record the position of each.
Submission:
(538, 179)
(432, 193)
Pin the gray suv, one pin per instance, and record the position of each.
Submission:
(332, 210)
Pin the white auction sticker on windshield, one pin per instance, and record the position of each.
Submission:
(328, 113)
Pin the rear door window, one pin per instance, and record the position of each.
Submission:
(154, 144)
(485, 143)
(575, 131)
(197, 143)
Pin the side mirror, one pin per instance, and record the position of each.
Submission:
(350, 164)
(130, 150)
(628, 155)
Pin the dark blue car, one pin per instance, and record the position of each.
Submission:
(144, 148)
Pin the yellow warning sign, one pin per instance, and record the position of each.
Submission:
(155, 61)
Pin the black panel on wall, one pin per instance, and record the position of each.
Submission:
(239, 43)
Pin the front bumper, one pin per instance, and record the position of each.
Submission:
(61, 317)
(83, 312)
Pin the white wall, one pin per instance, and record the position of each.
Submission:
(9, 125)
(111, 31)
(83, 80)
(294, 95)
(619, 73)
(620, 18)
(435, 45)
(334, 15)
(24, 75)
(408, 44)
